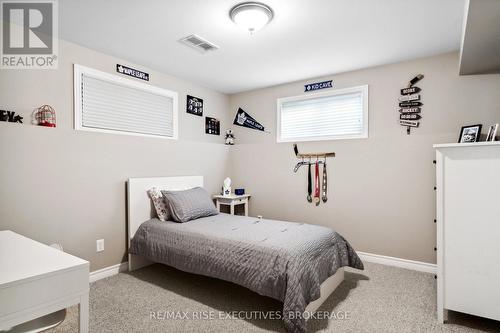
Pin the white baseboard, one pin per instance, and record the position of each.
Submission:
(108, 271)
(369, 257)
(398, 262)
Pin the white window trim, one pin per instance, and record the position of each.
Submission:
(363, 135)
(77, 76)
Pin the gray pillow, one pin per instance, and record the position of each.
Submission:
(189, 204)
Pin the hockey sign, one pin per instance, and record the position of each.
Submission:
(409, 110)
(410, 104)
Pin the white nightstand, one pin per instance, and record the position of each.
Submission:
(231, 201)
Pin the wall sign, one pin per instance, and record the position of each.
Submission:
(410, 105)
(132, 72)
(408, 98)
(409, 91)
(212, 126)
(410, 116)
(318, 85)
(194, 105)
(410, 110)
(10, 116)
(243, 119)
(409, 123)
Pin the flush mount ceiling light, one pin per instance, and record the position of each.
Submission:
(252, 16)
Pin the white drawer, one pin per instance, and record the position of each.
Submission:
(38, 291)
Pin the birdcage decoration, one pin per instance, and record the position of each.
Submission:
(45, 115)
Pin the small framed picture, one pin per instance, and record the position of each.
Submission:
(492, 133)
(470, 133)
(194, 105)
(212, 126)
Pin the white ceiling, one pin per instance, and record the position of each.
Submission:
(307, 38)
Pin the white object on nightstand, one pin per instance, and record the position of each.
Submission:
(231, 201)
(36, 280)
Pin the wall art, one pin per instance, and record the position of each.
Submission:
(243, 119)
(194, 105)
(10, 116)
(212, 126)
(318, 86)
(410, 105)
(132, 72)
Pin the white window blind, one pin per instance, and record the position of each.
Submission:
(339, 114)
(108, 103)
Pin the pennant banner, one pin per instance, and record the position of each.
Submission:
(245, 120)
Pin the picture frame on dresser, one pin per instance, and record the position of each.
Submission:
(492, 132)
(469, 134)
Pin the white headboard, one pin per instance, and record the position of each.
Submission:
(140, 209)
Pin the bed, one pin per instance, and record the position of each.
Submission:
(296, 263)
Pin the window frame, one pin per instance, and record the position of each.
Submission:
(358, 89)
(78, 70)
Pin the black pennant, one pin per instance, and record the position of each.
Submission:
(245, 120)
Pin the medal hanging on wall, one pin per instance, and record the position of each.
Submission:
(309, 183)
(320, 185)
(316, 184)
(324, 198)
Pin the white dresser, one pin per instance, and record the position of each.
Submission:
(468, 229)
(36, 279)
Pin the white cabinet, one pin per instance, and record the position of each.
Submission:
(468, 229)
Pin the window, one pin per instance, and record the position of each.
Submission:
(112, 104)
(338, 114)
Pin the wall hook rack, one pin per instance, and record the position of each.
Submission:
(310, 156)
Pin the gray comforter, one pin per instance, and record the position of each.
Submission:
(283, 260)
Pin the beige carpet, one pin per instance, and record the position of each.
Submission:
(379, 299)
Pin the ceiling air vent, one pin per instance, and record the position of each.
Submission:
(198, 43)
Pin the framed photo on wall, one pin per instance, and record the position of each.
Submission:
(470, 133)
(212, 126)
(492, 133)
(194, 105)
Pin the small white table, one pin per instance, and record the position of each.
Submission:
(36, 280)
(231, 201)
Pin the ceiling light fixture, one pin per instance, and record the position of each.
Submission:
(252, 16)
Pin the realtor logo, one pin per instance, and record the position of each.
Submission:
(29, 34)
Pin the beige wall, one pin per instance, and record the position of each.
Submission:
(66, 186)
(61, 185)
(381, 195)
